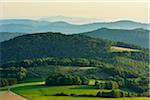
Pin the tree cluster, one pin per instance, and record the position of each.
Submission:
(106, 85)
(62, 61)
(65, 79)
(12, 75)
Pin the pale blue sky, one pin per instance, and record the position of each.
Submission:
(108, 10)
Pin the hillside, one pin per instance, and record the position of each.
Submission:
(74, 60)
(42, 45)
(139, 37)
(7, 35)
(52, 44)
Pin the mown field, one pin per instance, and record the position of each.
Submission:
(38, 91)
(121, 49)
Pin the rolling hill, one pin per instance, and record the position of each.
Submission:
(139, 37)
(52, 44)
(46, 54)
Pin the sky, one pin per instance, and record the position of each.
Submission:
(136, 10)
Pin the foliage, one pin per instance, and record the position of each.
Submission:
(7, 81)
(62, 61)
(61, 79)
(138, 85)
(52, 44)
(106, 85)
(41, 54)
(112, 94)
(12, 75)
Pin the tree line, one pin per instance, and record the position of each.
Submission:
(65, 79)
(12, 75)
(63, 61)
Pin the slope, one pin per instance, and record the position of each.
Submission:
(139, 37)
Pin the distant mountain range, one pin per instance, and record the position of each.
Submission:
(35, 26)
(72, 20)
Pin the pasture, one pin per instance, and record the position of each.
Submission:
(38, 91)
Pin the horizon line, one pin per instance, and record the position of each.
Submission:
(96, 19)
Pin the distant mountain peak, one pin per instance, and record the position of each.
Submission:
(60, 22)
(72, 20)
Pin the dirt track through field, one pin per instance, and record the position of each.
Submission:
(10, 96)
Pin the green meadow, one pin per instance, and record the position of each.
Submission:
(38, 91)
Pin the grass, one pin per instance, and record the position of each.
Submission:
(1, 92)
(38, 91)
(52, 90)
(30, 80)
(20, 85)
(121, 49)
(82, 98)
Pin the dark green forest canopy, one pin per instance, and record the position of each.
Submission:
(122, 66)
(52, 44)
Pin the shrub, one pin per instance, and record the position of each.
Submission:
(7, 81)
(111, 94)
(111, 85)
(61, 79)
(100, 85)
(139, 86)
(116, 93)
(146, 94)
(4, 82)
(106, 85)
(84, 80)
(12, 81)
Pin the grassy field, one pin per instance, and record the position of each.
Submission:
(121, 49)
(52, 90)
(82, 98)
(37, 91)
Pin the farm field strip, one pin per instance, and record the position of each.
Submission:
(117, 49)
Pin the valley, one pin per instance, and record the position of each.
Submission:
(74, 50)
(42, 66)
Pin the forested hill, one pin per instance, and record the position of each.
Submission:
(138, 37)
(52, 44)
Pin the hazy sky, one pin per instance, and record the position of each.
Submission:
(106, 9)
